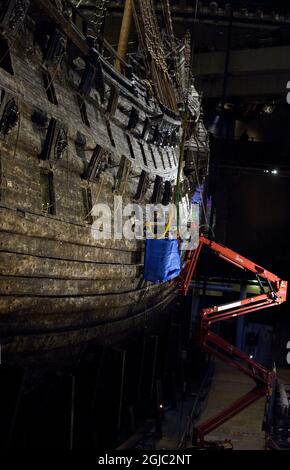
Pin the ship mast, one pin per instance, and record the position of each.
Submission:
(125, 32)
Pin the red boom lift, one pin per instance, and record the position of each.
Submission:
(274, 294)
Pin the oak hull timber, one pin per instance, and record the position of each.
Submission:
(59, 286)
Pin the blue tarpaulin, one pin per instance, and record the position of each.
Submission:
(162, 260)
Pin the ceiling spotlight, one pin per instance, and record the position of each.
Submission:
(268, 109)
(274, 172)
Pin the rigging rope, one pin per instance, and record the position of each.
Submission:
(170, 31)
(99, 15)
(198, 182)
(192, 48)
(185, 120)
(154, 56)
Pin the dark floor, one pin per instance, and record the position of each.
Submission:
(245, 429)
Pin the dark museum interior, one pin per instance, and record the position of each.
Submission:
(145, 201)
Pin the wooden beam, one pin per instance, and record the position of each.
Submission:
(57, 17)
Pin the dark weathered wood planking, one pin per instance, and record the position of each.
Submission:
(25, 265)
(53, 228)
(44, 287)
(58, 249)
(103, 333)
(99, 307)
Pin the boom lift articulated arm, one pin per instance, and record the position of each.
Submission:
(274, 293)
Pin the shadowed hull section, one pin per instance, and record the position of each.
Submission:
(60, 288)
(44, 346)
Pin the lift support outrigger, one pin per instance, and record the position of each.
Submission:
(273, 292)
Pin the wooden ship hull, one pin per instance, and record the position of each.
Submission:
(74, 132)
